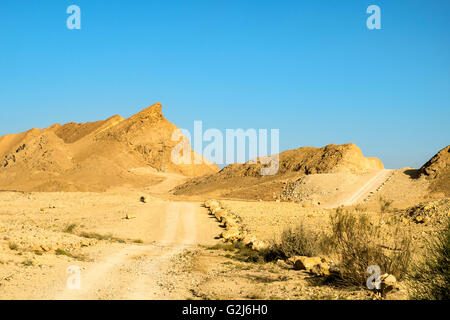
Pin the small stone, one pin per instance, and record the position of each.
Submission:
(231, 235)
(259, 245)
(315, 265)
(388, 283)
(282, 264)
(36, 248)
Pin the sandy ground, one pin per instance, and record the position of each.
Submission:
(113, 270)
(166, 249)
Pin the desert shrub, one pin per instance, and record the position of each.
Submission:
(94, 235)
(360, 208)
(28, 262)
(98, 236)
(384, 204)
(430, 279)
(246, 254)
(13, 246)
(297, 241)
(62, 252)
(360, 243)
(222, 246)
(70, 228)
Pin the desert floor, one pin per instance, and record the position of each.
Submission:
(161, 248)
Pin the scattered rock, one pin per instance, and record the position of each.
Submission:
(84, 243)
(315, 265)
(214, 207)
(219, 214)
(231, 235)
(212, 202)
(259, 245)
(282, 264)
(37, 249)
(388, 283)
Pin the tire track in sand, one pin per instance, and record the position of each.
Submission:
(134, 272)
(359, 195)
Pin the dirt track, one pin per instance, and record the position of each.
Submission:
(135, 271)
(362, 192)
(167, 231)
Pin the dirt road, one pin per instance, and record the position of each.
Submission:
(363, 191)
(138, 271)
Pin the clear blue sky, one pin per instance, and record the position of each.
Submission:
(310, 68)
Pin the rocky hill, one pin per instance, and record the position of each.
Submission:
(93, 156)
(437, 170)
(245, 180)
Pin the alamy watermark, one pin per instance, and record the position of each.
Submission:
(74, 280)
(229, 149)
(374, 20)
(374, 280)
(74, 20)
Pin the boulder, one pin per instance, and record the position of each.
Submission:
(212, 202)
(230, 223)
(214, 207)
(282, 264)
(259, 245)
(315, 265)
(231, 235)
(84, 243)
(388, 283)
(219, 214)
(322, 269)
(248, 239)
(37, 249)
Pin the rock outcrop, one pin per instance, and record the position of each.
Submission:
(437, 170)
(93, 156)
(244, 181)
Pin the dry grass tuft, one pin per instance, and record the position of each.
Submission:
(13, 246)
(70, 228)
(62, 252)
(430, 279)
(360, 243)
(297, 241)
(94, 235)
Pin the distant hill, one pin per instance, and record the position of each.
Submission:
(437, 170)
(93, 156)
(245, 180)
